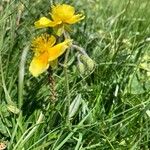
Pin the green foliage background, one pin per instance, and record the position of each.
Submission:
(113, 111)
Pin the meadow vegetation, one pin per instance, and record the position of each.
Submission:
(110, 107)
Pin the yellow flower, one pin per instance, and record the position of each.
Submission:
(61, 14)
(46, 53)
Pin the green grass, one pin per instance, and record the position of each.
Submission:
(112, 103)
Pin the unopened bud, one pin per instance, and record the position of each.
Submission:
(89, 63)
(81, 67)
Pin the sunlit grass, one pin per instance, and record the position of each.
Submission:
(114, 101)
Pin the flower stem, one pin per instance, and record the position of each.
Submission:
(67, 105)
(53, 96)
(80, 49)
(67, 87)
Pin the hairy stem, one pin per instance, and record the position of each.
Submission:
(67, 86)
(53, 95)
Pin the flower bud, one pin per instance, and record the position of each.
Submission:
(81, 68)
(88, 62)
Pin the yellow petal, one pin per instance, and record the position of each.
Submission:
(75, 18)
(58, 49)
(62, 12)
(39, 64)
(44, 22)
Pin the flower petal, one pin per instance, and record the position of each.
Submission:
(58, 49)
(44, 22)
(62, 12)
(75, 18)
(39, 64)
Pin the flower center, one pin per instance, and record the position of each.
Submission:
(42, 43)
